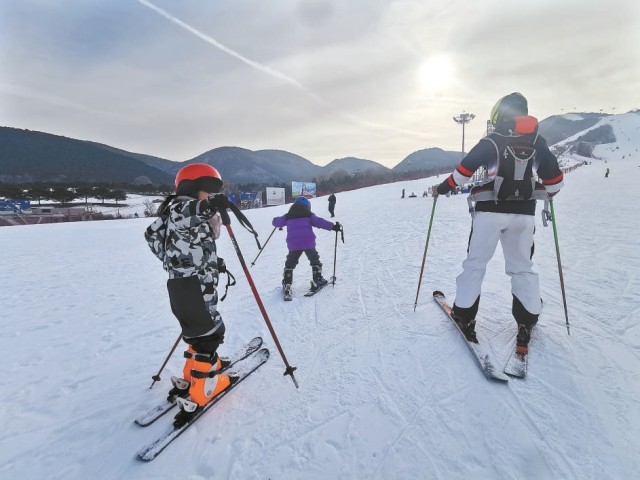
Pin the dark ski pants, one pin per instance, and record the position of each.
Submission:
(294, 256)
(331, 209)
(201, 328)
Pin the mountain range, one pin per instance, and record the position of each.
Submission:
(29, 156)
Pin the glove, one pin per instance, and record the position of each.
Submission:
(336, 227)
(434, 191)
(218, 202)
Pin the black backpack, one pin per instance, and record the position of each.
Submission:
(516, 164)
(515, 179)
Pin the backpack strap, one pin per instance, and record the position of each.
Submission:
(244, 221)
(231, 280)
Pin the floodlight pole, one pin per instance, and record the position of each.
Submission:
(463, 119)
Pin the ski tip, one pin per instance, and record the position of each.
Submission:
(438, 293)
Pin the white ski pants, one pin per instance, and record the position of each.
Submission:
(515, 233)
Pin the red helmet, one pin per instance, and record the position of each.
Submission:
(196, 177)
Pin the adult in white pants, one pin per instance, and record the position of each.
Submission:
(520, 170)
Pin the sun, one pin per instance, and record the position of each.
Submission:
(436, 73)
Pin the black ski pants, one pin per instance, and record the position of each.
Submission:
(294, 255)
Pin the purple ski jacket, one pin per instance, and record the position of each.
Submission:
(300, 234)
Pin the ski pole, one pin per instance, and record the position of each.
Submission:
(226, 221)
(555, 236)
(424, 257)
(156, 377)
(335, 251)
(265, 244)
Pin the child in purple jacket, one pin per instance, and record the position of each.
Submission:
(300, 238)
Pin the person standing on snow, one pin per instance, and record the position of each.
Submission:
(301, 239)
(504, 211)
(183, 237)
(332, 204)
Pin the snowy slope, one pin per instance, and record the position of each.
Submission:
(385, 392)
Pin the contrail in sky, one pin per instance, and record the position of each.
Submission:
(274, 73)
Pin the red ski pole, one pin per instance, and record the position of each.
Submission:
(226, 221)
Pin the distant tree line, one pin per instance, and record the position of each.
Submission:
(67, 193)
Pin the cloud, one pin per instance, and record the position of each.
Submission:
(276, 74)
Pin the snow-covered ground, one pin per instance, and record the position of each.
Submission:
(385, 392)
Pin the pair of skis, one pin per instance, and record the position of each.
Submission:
(516, 365)
(244, 362)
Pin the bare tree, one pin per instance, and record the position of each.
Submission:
(150, 210)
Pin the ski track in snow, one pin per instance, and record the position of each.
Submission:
(385, 392)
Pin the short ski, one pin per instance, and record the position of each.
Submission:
(517, 364)
(159, 410)
(481, 350)
(313, 290)
(242, 369)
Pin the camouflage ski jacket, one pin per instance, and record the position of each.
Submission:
(185, 235)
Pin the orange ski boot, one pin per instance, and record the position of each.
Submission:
(207, 381)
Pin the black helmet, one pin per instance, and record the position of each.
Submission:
(507, 108)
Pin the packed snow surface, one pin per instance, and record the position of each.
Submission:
(386, 392)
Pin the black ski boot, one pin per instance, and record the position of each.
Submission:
(468, 328)
(523, 337)
(526, 321)
(318, 280)
(465, 319)
(287, 280)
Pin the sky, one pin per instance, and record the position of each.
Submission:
(325, 79)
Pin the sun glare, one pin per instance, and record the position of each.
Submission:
(436, 73)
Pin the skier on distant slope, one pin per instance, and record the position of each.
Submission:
(300, 221)
(183, 237)
(332, 204)
(505, 211)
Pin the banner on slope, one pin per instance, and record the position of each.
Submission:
(250, 200)
(275, 196)
(303, 189)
